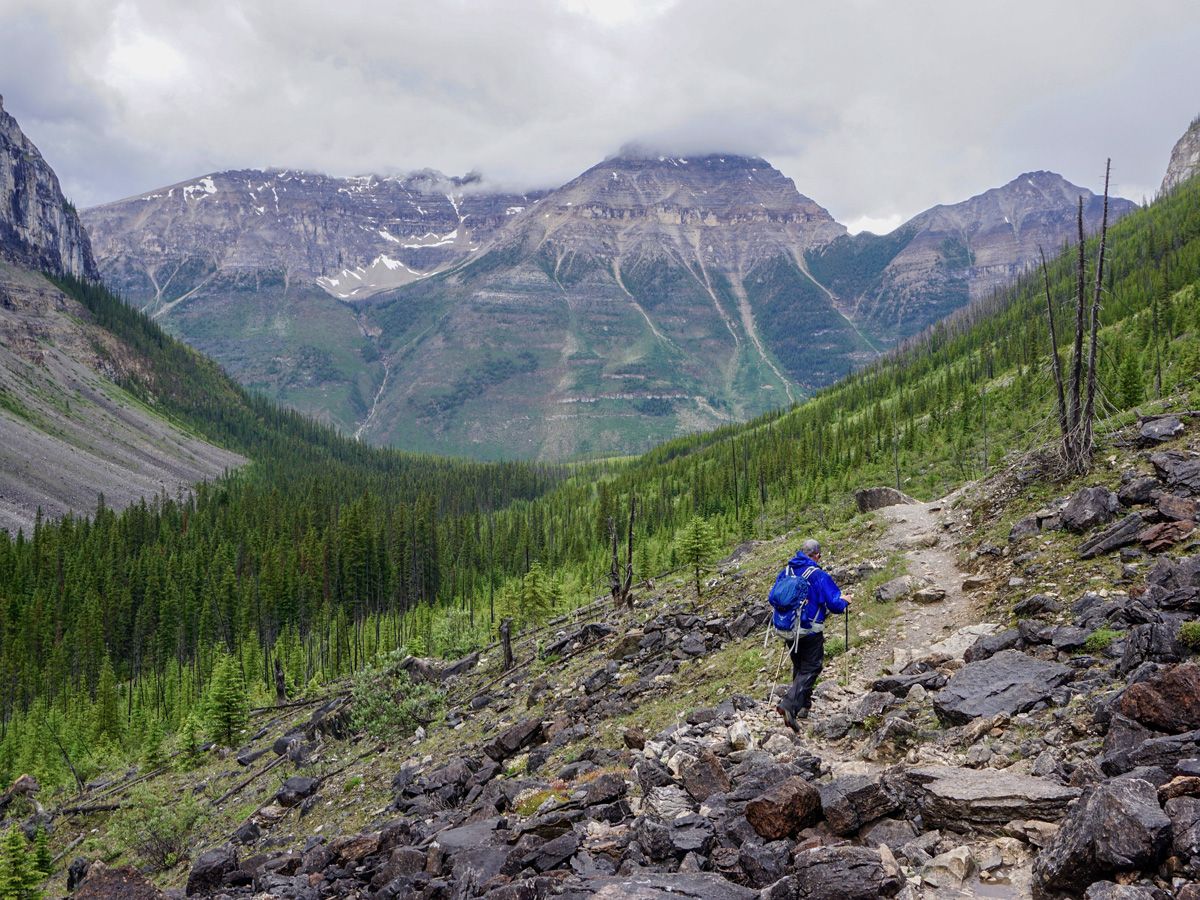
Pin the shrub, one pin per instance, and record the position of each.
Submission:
(1189, 634)
(1100, 639)
(387, 704)
(155, 828)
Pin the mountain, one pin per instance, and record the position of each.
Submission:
(251, 267)
(1185, 157)
(651, 296)
(39, 227)
(898, 283)
(646, 298)
(71, 432)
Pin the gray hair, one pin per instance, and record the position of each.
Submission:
(810, 548)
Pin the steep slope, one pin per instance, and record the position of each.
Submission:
(251, 266)
(625, 307)
(39, 227)
(70, 432)
(1185, 158)
(896, 284)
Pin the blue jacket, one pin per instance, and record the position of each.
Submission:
(823, 593)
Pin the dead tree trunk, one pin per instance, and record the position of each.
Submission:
(1077, 410)
(1056, 363)
(620, 580)
(506, 643)
(280, 682)
(1089, 407)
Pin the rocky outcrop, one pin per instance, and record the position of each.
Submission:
(951, 796)
(869, 499)
(1118, 826)
(39, 228)
(1007, 682)
(1185, 158)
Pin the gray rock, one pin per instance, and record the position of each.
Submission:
(1089, 507)
(1156, 431)
(898, 589)
(296, 789)
(1138, 491)
(1109, 890)
(991, 644)
(843, 872)
(852, 801)
(892, 833)
(869, 499)
(1154, 642)
(782, 810)
(764, 864)
(1113, 537)
(1116, 826)
(513, 740)
(703, 776)
(1008, 682)
(1163, 752)
(1178, 470)
(210, 870)
(986, 799)
(1184, 813)
(659, 886)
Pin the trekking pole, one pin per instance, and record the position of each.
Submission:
(775, 678)
(846, 649)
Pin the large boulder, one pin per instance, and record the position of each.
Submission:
(658, 886)
(1164, 752)
(1089, 507)
(513, 740)
(296, 789)
(1166, 701)
(1007, 682)
(1159, 429)
(852, 801)
(210, 870)
(781, 811)
(1117, 826)
(947, 796)
(898, 588)
(125, 883)
(1178, 470)
(703, 776)
(843, 873)
(1184, 813)
(869, 499)
(1152, 642)
(1116, 535)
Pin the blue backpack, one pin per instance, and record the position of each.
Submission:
(789, 596)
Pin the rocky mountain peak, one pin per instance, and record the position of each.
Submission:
(1185, 157)
(39, 227)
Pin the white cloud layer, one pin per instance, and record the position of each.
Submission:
(876, 109)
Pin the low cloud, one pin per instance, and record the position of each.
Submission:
(876, 110)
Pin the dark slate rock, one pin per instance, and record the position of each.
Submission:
(843, 872)
(764, 864)
(1164, 752)
(656, 886)
(514, 740)
(1184, 813)
(1168, 701)
(1178, 470)
(894, 833)
(782, 810)
(852, 801)
(1089, 507)
(1116, 826)
(1153, 642)
(900, 685)
(1110, 890)
(1037, 605)
(991, 644)
(1158, 430)
(946, 796)
(1117, 535)
(1139, 491)
(211, 869)
(702, 775)
(296, 789)
(1008, 682)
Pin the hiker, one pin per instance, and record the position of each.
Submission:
(800, 598)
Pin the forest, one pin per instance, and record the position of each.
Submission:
(122, 631)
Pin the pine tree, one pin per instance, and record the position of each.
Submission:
(108, 706)
(697, 544)
(228, 704)
(152, 745)
(18, 879)
(1130, 389)
(43, 860)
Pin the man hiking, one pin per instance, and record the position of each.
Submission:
(800, 598)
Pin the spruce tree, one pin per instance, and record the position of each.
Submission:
(228, 703)
(43, 860)
(697, 544)
(108, 706)
(18, 879)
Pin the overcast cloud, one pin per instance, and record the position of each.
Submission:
(877, 110)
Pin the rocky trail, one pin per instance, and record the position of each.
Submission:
(1025, 722)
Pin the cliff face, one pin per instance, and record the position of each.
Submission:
(1185, 157)
(39, 228)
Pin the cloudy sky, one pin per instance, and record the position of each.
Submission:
(877, 109)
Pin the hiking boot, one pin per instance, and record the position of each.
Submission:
(802, 713)
(789, 719)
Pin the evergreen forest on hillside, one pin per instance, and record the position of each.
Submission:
(123, 631)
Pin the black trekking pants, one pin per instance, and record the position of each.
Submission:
(808, 656)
